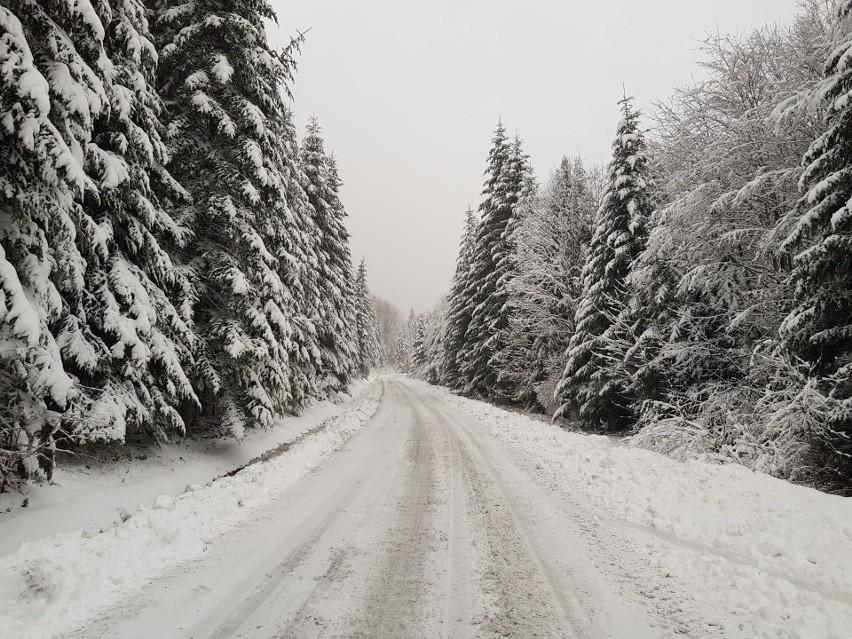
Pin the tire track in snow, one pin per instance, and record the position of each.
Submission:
(396, 604)
(522, 600)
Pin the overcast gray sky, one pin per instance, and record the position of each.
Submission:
(409, 93)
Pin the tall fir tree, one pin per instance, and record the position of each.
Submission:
(490, 230)
(234, 150)
(587, 389)
(366, 324)
(432, 354)
(42, 133)
(334, 263)
(341, 258)
(136, 296)
(548, 248)
(296, 247)
(458, 306)
(405, 343)
(87, 232)
(487, 292)
(818, 330)
(419, 345)
(520, 187)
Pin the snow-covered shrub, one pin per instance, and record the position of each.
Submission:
(776, 422)
(670, 428)
(545, 393)
(798, 419)
(27, 431)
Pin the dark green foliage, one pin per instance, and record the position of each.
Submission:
(491, 270)
(588, 389)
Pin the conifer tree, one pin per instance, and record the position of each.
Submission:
(587, 390)
(234, 150)
(489, 232)
(405, 343)
(87, 232)
(521, 187)
(430, 354)
(41, 173)
(295, 245)
(458, 307)
(135, 295)
(418, 343)
(548, 248)
(818, 330)
(487, 291)
(334, 264)
(366, 324)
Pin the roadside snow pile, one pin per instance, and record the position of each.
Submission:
(766, 557)
(91, 492)
(56, 584)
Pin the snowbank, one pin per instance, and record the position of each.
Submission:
(766, 558)
(91, 493)
(62, 581)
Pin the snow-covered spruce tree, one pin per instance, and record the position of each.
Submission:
(522, 188)
(491, 268)
(135, 296)
(489, 231)
(390, 324)
(334, 263)
(419, 344)
(458, 306)
(294, 244)
(819, 329)
(366, 324)
(708, 295)
(87, 227)
(233, 149)
(587, 390)
(549, 246)
(40, 174)
(405, 344)
(432, 355)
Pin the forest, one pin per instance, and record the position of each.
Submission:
(173, 259)
(695, 294)
(621, 404)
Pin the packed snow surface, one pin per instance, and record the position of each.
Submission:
(417, 513)
(763, 556)
(92, 493)
(51, 585)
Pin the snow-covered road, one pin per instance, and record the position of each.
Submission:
(417, 513)
(420, 527)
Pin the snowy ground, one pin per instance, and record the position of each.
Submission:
(415, 513)
(89, 493)
(747, 554)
